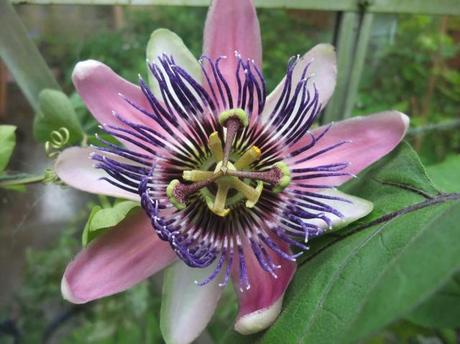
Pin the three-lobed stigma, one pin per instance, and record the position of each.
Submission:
(216, 183)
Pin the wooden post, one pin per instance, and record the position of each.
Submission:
(352, 41)
(359, 58)
(437, 7)
(3, 85)
(118, 17)
(345, 42)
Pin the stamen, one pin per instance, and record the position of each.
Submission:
(252, 194)
(259, 189)
(251, 155)
(197, 175)
(215, 145)
(218, 207)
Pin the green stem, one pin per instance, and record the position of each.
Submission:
(21, 180)
(104, 200)
(442, 126)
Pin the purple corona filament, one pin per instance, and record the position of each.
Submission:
(188, 113)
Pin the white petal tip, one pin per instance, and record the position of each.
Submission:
(84, 69)
(259, 320)
(67, 293)
(405, 119)
(327, 47)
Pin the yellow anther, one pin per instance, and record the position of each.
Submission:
(218, 207)
(215, 144)
(197, 175)
(251, 155)
(259, 188)
(250, 193)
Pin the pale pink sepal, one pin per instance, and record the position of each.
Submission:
(351, 207)
(232, 25)
(75, 168)
(117, 260)
(321, 73)
(370, 138)
(187, 308)
(260, 305)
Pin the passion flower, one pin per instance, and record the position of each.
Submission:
(229, 179)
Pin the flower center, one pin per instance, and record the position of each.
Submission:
(216, 184)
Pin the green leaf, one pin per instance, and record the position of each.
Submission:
(102, 219)
(442, 310)
(163, 41)
(372, 273)
(445, 174)
(7, 143)
(56, 111)
(406, 332)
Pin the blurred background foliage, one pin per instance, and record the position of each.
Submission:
(416, 71)
(412, 65)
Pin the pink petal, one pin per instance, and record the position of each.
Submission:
(100, 88)
(322, 73)
(104, 92)
(75, 168)
(261, 304)
(232, 25)
(371, 137)
(116, 261)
